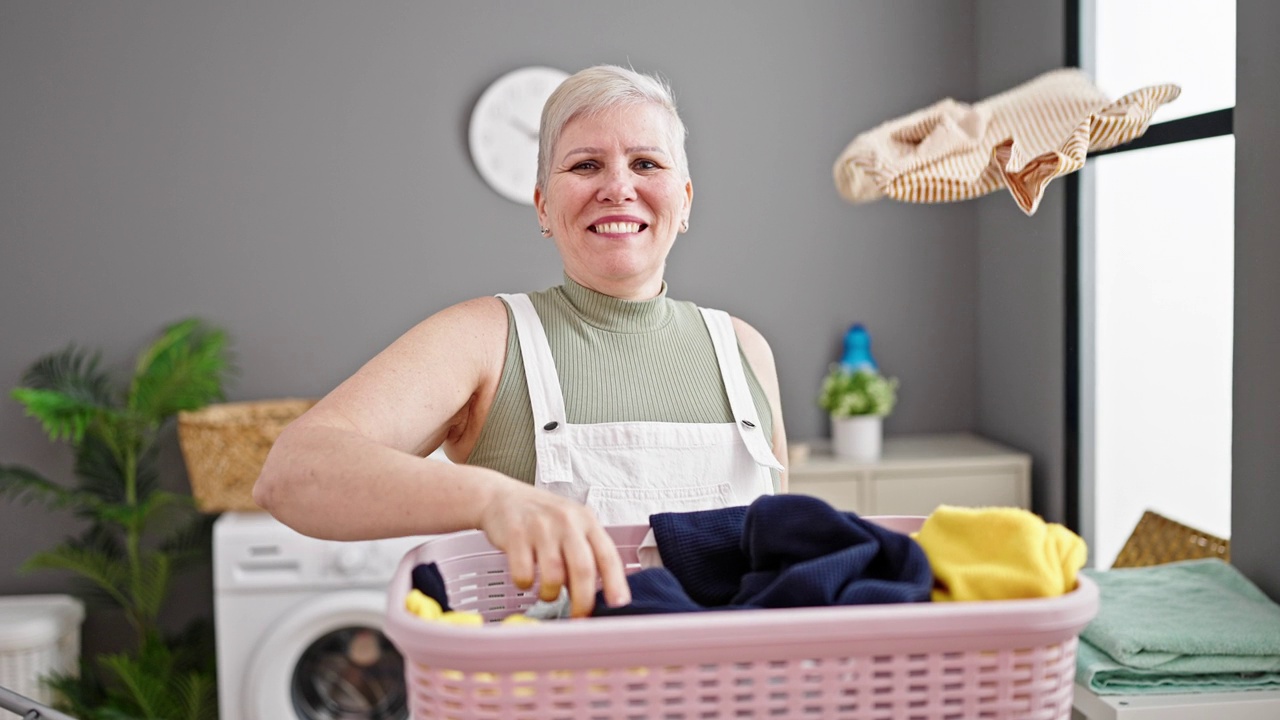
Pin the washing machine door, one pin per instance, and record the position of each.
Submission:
(327, 660)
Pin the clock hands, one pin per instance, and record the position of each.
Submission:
(531, 133)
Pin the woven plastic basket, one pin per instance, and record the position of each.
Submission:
(224, 446)
(921, 661)
(1157, 540)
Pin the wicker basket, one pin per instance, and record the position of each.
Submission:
(225, 445)
(1157, 540)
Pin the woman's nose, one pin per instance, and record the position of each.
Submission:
(617, 186)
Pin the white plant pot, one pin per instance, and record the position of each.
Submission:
(857, 437)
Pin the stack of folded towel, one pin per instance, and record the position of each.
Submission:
(1191, 626)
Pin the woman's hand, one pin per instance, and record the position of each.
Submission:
(559, 538)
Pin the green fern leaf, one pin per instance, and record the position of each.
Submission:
(100, 474)
(197, 697)
(72, 371)
(139, 515)
(63, 416)
(143, 689)
(153, 584)
(67, 392)
(26, 486)
(102, 539)
(79, 695)
(105, 572)
(183, 369)
(191, 544)
(98, 470)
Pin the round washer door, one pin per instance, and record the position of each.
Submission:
(327, 660)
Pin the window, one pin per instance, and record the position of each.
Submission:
(1151, 241)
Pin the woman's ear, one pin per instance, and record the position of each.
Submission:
(540, 205)
(688, 202)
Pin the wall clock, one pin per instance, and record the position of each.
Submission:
(504, 130)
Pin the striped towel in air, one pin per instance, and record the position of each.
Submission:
(1020, 139)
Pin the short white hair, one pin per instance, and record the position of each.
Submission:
(595, 89)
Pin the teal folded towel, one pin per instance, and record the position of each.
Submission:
(1191, 626)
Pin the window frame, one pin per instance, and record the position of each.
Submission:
(1215, 123)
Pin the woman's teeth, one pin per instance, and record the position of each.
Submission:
(617, 228)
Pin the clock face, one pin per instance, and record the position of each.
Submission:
(504, 130)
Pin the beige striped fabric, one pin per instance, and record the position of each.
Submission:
(1020, 139)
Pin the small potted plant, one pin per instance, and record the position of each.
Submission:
(858, 399)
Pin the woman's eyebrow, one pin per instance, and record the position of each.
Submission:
(630, 150)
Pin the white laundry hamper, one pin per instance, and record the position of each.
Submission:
(39, 635)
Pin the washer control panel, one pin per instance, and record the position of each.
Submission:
(255, 551)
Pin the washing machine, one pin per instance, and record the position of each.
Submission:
(298, 624)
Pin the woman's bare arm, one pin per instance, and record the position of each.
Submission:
(354, 466)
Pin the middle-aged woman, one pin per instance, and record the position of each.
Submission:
(593, 403)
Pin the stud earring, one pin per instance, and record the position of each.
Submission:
(546, 232)
(684, 225)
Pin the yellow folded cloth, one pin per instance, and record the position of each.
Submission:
(998, 553)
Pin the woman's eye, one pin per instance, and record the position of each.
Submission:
(645, 165)
(586, 165)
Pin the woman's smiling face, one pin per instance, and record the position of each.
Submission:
(615, 199)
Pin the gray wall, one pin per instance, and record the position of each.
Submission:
(1255, 457)
(296, 171)
(1019, 259)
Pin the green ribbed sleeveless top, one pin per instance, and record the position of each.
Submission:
(618, 361)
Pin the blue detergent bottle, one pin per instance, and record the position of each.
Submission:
(857, 350)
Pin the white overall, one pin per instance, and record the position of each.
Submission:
(625, 471)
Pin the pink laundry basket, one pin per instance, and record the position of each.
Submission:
(918, 661)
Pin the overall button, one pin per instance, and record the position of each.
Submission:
(551, 426)
(748, 423)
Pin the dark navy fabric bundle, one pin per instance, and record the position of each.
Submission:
(427, 578)
(781, 551)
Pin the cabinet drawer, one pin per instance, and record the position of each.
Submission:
(890, 493)
(842, 493)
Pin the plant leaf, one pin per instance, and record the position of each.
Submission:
(66, 391)
(196, 697)
(139, 515)
(857, 392)
(153, 585)
(183, 369)
(145, 690)
(105, 572)
(26, 486)
(99, 470)
(77, 694)
(190, 544)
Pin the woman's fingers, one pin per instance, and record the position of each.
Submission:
(613, 576)
(581, 564)
(551, 569)
(559, 542)
(520, 564)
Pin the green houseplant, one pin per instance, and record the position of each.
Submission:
(857, 399)
(136, 535)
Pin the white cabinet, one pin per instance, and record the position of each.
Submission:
(917, 473)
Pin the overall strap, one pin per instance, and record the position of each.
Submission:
(747, 420)
(546, 398)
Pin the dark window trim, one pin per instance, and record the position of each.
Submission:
(1197, 127)
(1071, 310)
